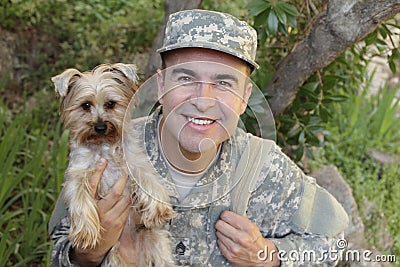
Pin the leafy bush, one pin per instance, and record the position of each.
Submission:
(33, 164)
(358, 125)
(82, 34)
(280, 25)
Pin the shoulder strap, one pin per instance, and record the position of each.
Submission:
(245, 178)
(248, 172)
(317, 208)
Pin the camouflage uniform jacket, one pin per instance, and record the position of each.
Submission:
(274, 205)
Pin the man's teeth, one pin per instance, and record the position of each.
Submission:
(199, 121)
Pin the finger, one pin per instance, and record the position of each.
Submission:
(121, 213)
(114, 195)
(230, 255)
(120, 184)
(228, 242)
(121, 209)
(114, 220)
(239, 237)
(226, 229)
(224, 250)
(126, 210)
(235, 220)
(94, 179)
(124, 217)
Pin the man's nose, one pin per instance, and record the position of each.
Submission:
(204, 97)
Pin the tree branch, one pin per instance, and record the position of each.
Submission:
(344, 23)
(149, 98)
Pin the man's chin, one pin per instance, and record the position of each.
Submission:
(202, 146)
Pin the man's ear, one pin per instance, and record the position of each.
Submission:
(160, 85)
(246, 96)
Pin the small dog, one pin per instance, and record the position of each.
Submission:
(92, 108)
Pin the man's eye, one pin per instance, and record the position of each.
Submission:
(110, 104)
(86, 106)
(185, 79)
(224, 84)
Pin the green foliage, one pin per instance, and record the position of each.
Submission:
(373, 116)
(302, 124)
(280, 25)
(236, 8)
(273, 16)
(107, 31)
(383, 40)
(33, 165)
(86, 33)
(12, 13)
(357, 126)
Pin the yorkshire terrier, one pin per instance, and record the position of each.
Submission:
(92, 108)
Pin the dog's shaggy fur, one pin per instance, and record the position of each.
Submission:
(92, 107)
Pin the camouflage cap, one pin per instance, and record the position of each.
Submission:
(213, 30)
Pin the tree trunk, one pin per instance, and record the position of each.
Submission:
(171, 6)
(149, 98)
(343, 23)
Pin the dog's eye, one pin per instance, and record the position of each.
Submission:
(85, 106)
(110, 104)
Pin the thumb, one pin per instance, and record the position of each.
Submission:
(94, 179)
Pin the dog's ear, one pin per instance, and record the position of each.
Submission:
(129, 70)
(62, 81)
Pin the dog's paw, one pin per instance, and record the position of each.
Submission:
(157, 215)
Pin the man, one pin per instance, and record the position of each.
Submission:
(193, 141)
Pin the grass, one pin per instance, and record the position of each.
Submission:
(357, 126)
(33, 163)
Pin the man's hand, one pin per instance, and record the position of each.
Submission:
(113, 210)
(240, 241)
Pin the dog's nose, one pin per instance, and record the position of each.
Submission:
(100, 128)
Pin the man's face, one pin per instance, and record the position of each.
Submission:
(203, 93)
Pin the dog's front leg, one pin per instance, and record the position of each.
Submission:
(85, 222)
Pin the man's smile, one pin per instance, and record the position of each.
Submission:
(200, 121)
